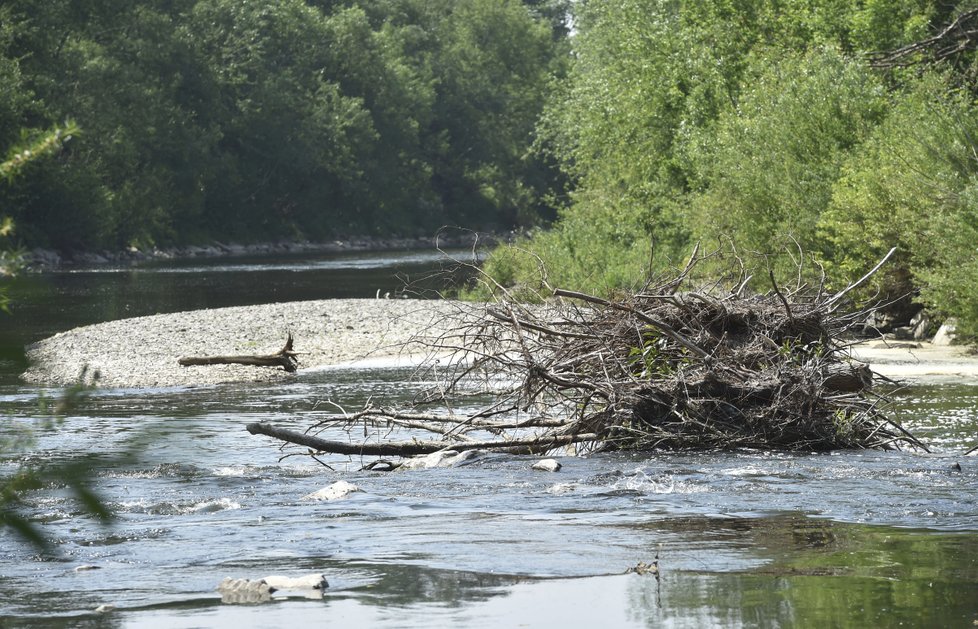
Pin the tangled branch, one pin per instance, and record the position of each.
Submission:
(957, 37)
(658, 369)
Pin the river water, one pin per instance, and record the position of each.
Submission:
(848, 539)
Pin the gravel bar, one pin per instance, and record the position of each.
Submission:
(143, 352)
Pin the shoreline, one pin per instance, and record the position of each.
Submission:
(919, 361)
(41, 259)
(142, 352)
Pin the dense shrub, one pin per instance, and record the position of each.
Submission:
(912, 186)
(766, 168)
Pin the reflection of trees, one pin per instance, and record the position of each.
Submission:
(818, 573)
(407, 584)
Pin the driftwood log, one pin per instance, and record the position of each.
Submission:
(413, 448)
(705, 368)
(285, 358)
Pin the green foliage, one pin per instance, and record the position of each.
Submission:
(912, 185)
(648, 362)
(597, 254)
(756, 122)
(34, 148)
(644, 76)
(493, 72)
(253, 120)
(766, 168)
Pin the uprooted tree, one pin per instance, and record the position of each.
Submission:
(668, 367)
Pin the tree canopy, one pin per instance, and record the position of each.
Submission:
(618, 133)
(252, 120)
(837, 128)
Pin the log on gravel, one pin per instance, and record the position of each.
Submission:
(285, 358)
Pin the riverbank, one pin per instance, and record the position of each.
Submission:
(143, 351)
(919, 361)
(48, 259)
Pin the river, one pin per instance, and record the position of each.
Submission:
(847, 539)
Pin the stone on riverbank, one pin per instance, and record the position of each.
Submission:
(945, 334)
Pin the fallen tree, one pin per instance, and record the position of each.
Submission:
(663, 368)
(285, 358)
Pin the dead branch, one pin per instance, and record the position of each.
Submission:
(709, 368)
(413, 448)
(957, 37)
(644, 317)
(838, 296)
(284, 358)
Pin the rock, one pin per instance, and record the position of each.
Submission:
(44, 258)
(89, 258)
(562, 488)
(442, 458)
(945, 334)
(244, 591)
(878, 323)
(236, 591)
(337, 491)
(903, 333)
(920, 324)
(307, 582)
(547, 465)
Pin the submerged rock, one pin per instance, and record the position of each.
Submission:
(337, 491)
(86, 567)
(235, 591)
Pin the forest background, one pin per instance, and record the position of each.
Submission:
(613, 134)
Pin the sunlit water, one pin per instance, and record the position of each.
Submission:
(742, 539)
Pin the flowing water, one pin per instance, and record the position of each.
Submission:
(848, 539)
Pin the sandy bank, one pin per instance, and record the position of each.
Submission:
(143, 351)
(919, 361)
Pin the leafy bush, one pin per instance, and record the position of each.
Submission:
(913, 186)
(766, 169)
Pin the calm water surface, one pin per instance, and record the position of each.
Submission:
(849, 539)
